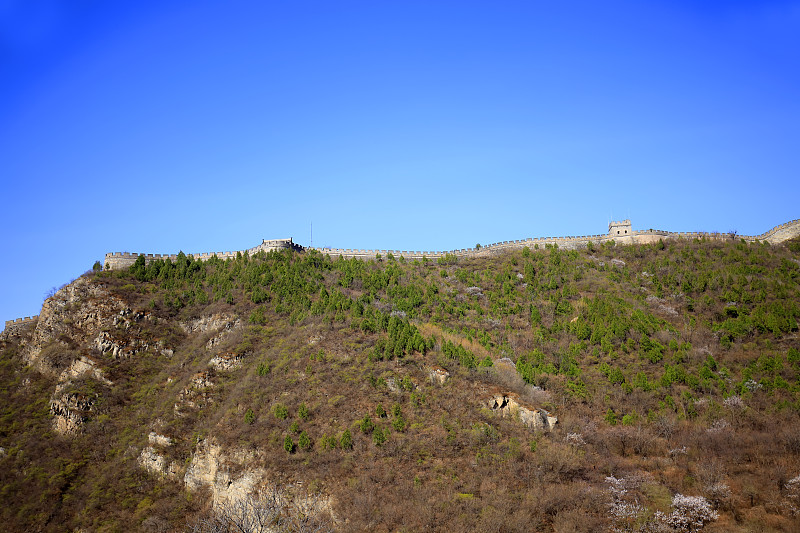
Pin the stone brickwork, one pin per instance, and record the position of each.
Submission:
(20, 322)
(621, 228)
(626, 235)
(119, 260)
(777, 234)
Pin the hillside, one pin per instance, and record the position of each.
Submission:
(630, 388)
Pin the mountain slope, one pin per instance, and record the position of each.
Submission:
(391, 395)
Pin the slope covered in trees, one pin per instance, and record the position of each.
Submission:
(673, 369)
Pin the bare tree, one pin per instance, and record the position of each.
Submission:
(272, 512)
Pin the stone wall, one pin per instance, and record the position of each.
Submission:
(120, 260)
(20, 322)
(622, 227)
(776, 235)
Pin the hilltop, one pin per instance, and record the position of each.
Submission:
(534, 388)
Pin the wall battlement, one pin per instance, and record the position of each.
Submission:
(18, 322)
(622, 227)
(120, 260)
(620, 232)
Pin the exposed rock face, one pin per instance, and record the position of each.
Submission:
(118, 346)
(70, 412)
(194, 395)
(84, 367)
(159, 440)
(508, 405)
(223, 322)
(226, 361)
(118, 342)
(78, 311)
(210, 467)
(151, 461)
(154, 462)
(438, 375)
(230, 480)
(209, 323)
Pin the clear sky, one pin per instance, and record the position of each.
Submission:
(427, 125)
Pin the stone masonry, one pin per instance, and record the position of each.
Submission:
(621, 232)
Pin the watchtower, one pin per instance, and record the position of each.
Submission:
(617, 229)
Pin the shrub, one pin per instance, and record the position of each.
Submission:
(447, 259)
(328, 442)
(303, 412)
(263, 368)
(288, 444)
(249, 417)
(366, 425)
(380, 412)
(417, 399)
(304, 441)
(258, 317)
(280, 411)
(379, 437)
(346, 440)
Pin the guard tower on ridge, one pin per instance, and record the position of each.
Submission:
(621, 228)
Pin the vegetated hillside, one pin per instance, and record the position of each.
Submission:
(370, 395)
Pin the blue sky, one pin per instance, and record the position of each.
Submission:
(427, 125)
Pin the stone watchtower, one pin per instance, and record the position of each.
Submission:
(619, 229)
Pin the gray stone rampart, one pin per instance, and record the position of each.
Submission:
(777, 234)
(784, 232)
(19, 322)
(120, 260)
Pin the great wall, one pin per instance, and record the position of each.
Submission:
(621, 232)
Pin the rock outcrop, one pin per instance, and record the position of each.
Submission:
(221, 323)
(226, 361)
(509, 405)
(155, 461)
(211, 467)
(229, 478)
(70, 411)
(78, 311)
(438, 375)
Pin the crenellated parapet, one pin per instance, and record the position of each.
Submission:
(121, 260)
(620, 229)
(621, 232)
(20, 322)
